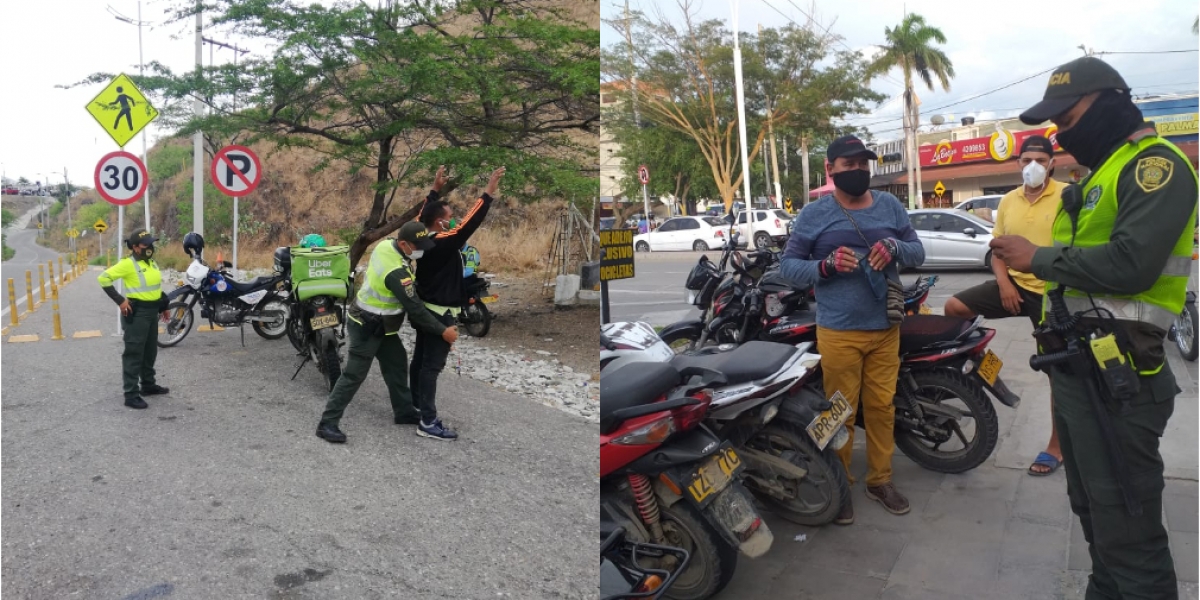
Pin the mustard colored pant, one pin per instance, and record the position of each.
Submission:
(864, 365)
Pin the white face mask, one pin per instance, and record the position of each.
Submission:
(417, 254)
(1034, 174)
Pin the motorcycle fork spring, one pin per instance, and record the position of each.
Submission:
(907, 395)
(643, 496)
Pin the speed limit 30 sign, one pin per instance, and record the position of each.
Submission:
(121, 178)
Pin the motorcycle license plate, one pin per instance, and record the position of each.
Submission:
(989, 367)
(925, 310)
(826, 425)
(713, 476)
(323, 321)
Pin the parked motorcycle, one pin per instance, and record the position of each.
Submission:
(1184, 329)
(622, 575)
(783, 435)
(223, 301)
(316, 317)
(474, 316)
(668, 480)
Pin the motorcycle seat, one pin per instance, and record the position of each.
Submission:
(918, 332)
(633, 384)
(750, 361)
(253, 285)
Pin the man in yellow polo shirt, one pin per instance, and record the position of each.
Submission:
(1029, 212)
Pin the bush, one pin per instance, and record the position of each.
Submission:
(8, 252)
(8, 216)
(169, 161)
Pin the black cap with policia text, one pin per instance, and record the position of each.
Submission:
(416, 234)
(1069, 84)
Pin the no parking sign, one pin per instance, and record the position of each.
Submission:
(236, 171)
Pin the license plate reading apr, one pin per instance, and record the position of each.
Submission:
(323, 321)
(713, 476)
(989, 367)
(823, 428)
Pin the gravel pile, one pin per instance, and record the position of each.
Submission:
(535, 374)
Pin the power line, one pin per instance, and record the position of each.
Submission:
(884, 76)
(1151, 51)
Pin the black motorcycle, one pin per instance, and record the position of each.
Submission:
(623, 576)
(224, 302)
(316, 317)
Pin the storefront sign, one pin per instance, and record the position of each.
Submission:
(1170, 125)
(1000, 146)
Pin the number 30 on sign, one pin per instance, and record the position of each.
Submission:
(121, 178)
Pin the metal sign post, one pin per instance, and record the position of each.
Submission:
(644, 177)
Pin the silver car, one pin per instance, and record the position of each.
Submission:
(953, 238)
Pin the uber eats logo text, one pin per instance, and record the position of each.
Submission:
(320, 268)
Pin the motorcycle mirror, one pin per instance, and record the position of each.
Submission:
(227, 264)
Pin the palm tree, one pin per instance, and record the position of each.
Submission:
(910, 46)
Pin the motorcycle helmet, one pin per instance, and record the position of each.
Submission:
(312, 240)
(283, 259)
(193, 244)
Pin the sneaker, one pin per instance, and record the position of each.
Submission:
(136, 402)
(331, 434)
(891, 498)
(154, 389)
(436, 431)
(846, 515)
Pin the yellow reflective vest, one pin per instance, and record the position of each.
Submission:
(141, 278)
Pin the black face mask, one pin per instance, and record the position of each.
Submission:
(855, 182)
(146, 254)
(1111, 118)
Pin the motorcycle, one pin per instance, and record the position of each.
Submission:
(474, 316)
(1184, 329)
(771, 408)
(668, 480)
(225, 302)
(622, 576)
(316, 317)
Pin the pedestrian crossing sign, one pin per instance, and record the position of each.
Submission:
(121, 109)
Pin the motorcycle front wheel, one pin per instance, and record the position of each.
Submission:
(950, 390)
(179, 323)
(1184, 332)
(814, 500)
(477, 319)
(277, 328)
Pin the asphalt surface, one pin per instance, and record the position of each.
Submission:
(27, 258)
(221, 489)
(993, 533)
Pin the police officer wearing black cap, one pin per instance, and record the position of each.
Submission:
(139, 315)
(1119, 266)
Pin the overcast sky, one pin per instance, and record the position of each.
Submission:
(989, 47)
(60, 42)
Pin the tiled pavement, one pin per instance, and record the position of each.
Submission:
(990, 534)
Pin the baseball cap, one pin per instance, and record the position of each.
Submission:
(415, 233)
(1037, 143)
(141, 236)
(847, 146)
(1071, 82)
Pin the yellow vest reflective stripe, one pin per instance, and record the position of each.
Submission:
(140, 284)
(375, 297)
(441, 310)
(1156, 306)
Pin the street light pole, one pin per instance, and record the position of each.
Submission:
(141, 73)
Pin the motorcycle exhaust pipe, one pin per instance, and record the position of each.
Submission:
(266, 317)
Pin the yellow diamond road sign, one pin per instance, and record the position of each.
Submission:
(939, 189)
(100, 226)
(122, 110)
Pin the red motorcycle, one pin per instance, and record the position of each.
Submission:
(668, 480)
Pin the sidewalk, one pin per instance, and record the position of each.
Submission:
(991, 533)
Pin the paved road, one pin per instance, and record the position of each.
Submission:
(994, 533)
(221, 490)
(29, 254)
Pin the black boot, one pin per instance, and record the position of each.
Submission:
(154, 389)
(136, 402)
(331, 434)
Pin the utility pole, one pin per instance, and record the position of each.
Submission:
(741, 103)
(141, 73)
(637, 117)
(774, 158)
(236, 51)
(804, 174)
(198, 138)
(70, 221)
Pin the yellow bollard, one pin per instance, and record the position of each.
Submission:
(51, 263)
(41, 284)
(57, 320)
(29, 291)
(12, 300)
(62, 273)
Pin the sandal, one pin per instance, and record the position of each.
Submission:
(1047, 460)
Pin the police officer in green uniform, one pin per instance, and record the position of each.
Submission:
(139, 315)
(388, 293)
(1121, 250)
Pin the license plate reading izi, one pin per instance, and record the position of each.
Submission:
(323, 321)
(989, 367)
(714, 475)
(826, 424)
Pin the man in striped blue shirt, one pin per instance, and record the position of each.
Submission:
(848, 244)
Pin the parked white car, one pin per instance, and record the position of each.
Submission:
(953, 238)
(684, 233)
(769, 226)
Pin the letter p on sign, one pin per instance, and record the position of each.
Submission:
(236, 171)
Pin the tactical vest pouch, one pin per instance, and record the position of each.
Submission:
(1119, 377)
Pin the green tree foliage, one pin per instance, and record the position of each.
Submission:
(794, 78)
(399, 88)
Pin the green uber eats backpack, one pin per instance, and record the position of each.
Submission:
(321, 272)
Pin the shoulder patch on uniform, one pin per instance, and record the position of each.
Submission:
(1153, 172)
(1093, 196)
(410, 290)
(406, 281)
